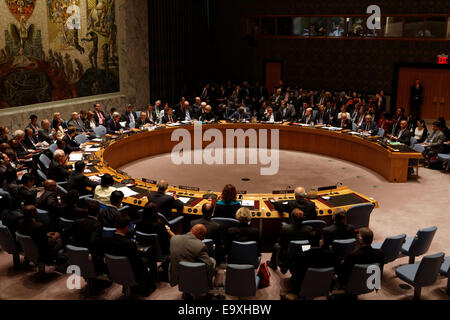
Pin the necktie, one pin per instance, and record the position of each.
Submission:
(170, 119)
(367, 127)
(188, 116)
(100, 118)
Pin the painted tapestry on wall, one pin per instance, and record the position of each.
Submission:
(79, 60)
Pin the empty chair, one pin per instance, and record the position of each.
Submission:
(445, 271)
(316, 283)
(357, 281)
(244, 253)
(53, 148)
(421, 274)
(391, 247)
(359, 215)
(419, 244)
(80, 139)
(342, 248)
(210, 245)
(65, 223)
(31, 251)
(100, 131)
(193, 278)
(108, 232)
(8, 244)
(241, 280)
(315, 224)
(121, 272)
(171, 222)
(150, 240)
(80, 257)
(45, 161)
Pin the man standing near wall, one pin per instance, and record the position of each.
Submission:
(416, 98)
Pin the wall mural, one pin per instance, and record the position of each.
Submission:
(78, 59)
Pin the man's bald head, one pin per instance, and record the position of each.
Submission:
(300, 192)
(199, 231)
(50, 185)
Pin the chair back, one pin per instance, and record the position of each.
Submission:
(359, 215)
(210, 245)
(45, 161)
(342, 248)
(357, 282)
(429, 269)
(100, 131)
(240, 280)
(419, 148)
(44, 217)
(108, 232)
(120, 270)
(317, 283)
(80, 257)
(392, 246)
(30, 249)
(80, 139)
(422, 242)
(7, 241)
(53, 148)
(412, 142)
(151, 240)
(65, 223)
(295, 248)
(381, 132)
(41, 175)
(193, 278)
(61, 188)
(315, 224)
(244, 253)
(225, 223)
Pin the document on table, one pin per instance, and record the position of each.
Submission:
(184, 199)
(97, 140)
(248, 203)
(95, 178)
(75, 157)
(127, 192)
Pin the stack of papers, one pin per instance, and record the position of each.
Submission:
(91, 148)
(74, 157)
(97, 140)
(127, 192)
(173, 124)
(95, 178)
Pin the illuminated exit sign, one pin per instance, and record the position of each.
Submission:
(443, 59)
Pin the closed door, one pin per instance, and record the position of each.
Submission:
(436, 94)
(273, 74)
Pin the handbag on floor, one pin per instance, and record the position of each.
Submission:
(264, 276)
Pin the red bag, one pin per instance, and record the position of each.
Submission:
(264, 276)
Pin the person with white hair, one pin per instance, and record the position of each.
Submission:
(113, 125)
(244, 232)
(301, 202)
(58, 171)
(164, 202)
(308, 118)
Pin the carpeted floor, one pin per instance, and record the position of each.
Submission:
(404, 208)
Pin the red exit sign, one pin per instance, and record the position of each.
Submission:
(442, 60)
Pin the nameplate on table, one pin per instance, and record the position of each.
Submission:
(189, 188)
(282, 191)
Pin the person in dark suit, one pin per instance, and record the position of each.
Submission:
(208, 116)
(240, 115)
(186, 112)
(72, 209)
(151, 115)
(150, 223)
(113, 125)
(165, 203)
(78, 181)
(403, 135)
(31, 141)
(243, 232)
(142, 121)
(108, 216)
(27, 192)
(119, 245)
(169, 117)
(212, 228)
(308, 118)
(323, 116)
(48, 244)
(11, 186)
(286, 113)
(369, 126)
(416, 98)
(71, 144)
(99, 115)
(271, 116)
(339, 230)
(289, 232)
(343, 122)
(85, 232)
(77, 123)
(300, 202)
(396, 120)
(227, 206)
(58, 171)
(51, 202)
(316, 257)
(365, 254)
(46, 133)
(128, 116)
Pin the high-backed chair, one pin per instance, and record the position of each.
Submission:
(80, 257)
(445, 271)
(380, 132)
(108, 232)
(193, 278)
(317, 283)
(8, 244)
(315, 224)
(419, 148)
(412, 142)
(295, 248)
(52, 148)
(342, 248)
(210, 245)
(171, 222)
(225, 223)
(100, 131)
(419, 244)
(244, 253)
(45, 161)
(357, 281)
(44, 217)
(150, 240)
(65, 223)
(31, 251)
(121, 272)
(241, 280)
(421, 274)
(359, 215)
(391, 247)
(80, 139)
